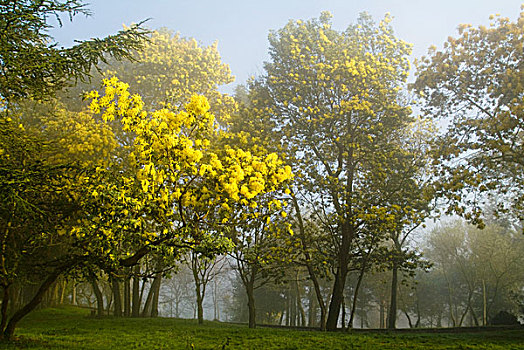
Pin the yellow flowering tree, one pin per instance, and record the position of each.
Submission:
(336, 98)
(259, 230)
(168, 69)
(178, 192)
(475, 84)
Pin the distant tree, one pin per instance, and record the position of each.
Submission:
(204, 270)
(481, 269)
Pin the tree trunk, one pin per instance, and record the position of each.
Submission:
(127, 296)
(299, 304)
(156, 290)
(381, 314)
(473, 315)
(320, 298)
(312, 309)
(292, 307)
(409, 319)
(392, 314)
(135, 312)
(116, 297)
(336, 298)
(30, 306)
(73, 293)
(62, 294)
(340, 278)
(484, 304)
(99, 296)
(216, 310)
(250, 290)
(355, 294)
(199, 301)
(5, 303)
(199, 289)
(147, 304)
(54, 295)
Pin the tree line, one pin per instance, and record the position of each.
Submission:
(312, 178)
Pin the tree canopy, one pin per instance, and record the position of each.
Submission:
(475, 86)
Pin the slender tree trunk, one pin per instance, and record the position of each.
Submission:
(98, 294)
(292, 307)
(62, 294)
(200, 307)
(474, 315)
(484, 304)
(135, 312)
(109, 297)
(281, 319)
(216, 311)
(355, 294)
(199, 286)
(301, 311)
(54, 295)
(116, 297)
(450, 302)
(409, 319)
(381, 314)
(343, 312)
(392, 314)
(142, 289)
(30, 306)
(250, 290)
(312, 309)
(73, 293)
(320, 298)
(127, 296)
(468, 308)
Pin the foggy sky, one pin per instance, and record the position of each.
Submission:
(241, 26)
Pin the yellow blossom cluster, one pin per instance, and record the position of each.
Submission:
(177, 170)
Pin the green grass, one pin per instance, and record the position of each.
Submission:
(71, 328)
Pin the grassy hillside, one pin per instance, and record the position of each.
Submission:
(71, 328)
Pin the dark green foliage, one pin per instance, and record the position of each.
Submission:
(31, 65)
(504, 318)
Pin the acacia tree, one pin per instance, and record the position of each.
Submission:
(476, 84)
(168, 70)
(335, 98)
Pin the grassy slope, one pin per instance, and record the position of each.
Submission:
(69, 328)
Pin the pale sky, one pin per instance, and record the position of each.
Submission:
(241, 27)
